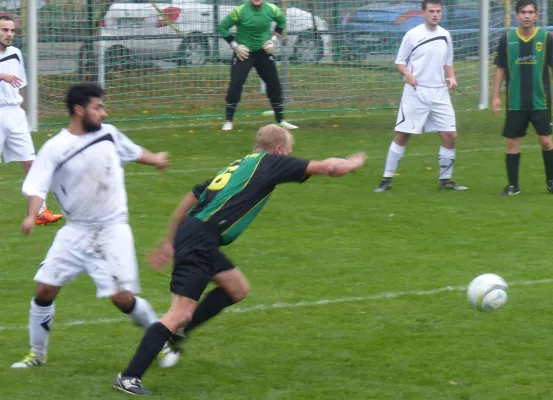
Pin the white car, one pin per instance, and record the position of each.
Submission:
(185, 31)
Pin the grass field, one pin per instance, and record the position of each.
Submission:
(355, 295)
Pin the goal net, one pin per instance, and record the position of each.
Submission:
(164, 59)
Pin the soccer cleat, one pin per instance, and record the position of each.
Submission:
(168, 356)
(287, 125)
(510, 190)
(130, 385)
(550, 185)
(227, 126)
(47, 217)
(30, 360)
(385, 184)
(450, 185)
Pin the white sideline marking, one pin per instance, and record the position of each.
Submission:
(316, 303)
(215, 169)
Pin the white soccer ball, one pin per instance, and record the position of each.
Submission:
(487, 292)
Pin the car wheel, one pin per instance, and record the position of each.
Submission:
(119, 58)
(193, 50)
(87, 66)
(308, 49)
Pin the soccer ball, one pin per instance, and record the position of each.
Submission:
(487, 292)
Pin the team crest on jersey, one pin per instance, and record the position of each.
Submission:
(539, 46)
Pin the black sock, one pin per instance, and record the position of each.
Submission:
(213, 303)
(548, 163)
(279, 111)
(512, 161)
(153, 341)
(230, 109)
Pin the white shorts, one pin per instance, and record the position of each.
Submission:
(425, 110)
(107, 254)
(16, 143)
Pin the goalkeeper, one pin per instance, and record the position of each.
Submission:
(253, 46)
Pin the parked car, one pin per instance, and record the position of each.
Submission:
(184, 31)
(378, 28)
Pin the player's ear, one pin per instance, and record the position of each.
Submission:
(277, 149)
(79, 110)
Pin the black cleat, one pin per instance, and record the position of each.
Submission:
(511, 190)
(550, 185)
(130, 385)
(450, 185)
(385, 184)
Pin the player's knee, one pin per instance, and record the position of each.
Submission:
(123, 301)
(241, 291)
(546, 143)
(45, 293)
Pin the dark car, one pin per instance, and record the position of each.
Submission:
(378, 28)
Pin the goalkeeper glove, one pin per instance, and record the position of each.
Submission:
(241, 51)
(270, 45)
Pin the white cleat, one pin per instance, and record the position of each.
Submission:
(30, 360)
(287, 125)
(227, 126)
(167, 357)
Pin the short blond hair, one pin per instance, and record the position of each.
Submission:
(270, 136)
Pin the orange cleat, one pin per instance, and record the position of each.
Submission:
(47, 217)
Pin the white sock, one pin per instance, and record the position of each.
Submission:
(446, 158)
(40, 323)
(392, 160)
(143, 313)
(42, 208)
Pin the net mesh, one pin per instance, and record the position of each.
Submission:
(165, 60)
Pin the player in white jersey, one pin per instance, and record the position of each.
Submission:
(82, 166)
(16, 143)
(425, 59)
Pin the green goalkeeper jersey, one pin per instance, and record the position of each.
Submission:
(253, 26)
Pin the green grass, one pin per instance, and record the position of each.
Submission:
(328, 239)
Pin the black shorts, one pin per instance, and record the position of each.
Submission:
(517, 121)
(197, 259)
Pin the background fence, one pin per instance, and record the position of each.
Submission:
(165, 59)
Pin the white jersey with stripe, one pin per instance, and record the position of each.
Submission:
(85, 174)
(11, 62)
(425, 53)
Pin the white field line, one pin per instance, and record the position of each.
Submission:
(315, 303)
(216, 168)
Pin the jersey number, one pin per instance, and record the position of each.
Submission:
(221, 180)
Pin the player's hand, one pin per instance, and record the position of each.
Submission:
(162, 160)
(241, 51)
(411, 80)
(28, 225)
(358, 159)
(496, 105)
(161, 255)
(11, 79)
(451, 83)
(270, 45)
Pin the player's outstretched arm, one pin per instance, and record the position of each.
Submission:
(336, 166)
(161, 255)
(160, 160)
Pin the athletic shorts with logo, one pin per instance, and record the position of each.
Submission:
(424, 109)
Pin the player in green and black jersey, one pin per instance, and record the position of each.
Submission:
(523, 59)
(214, 214)
(253, 46)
